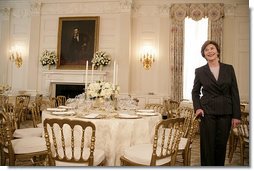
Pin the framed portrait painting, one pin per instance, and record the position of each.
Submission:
(77, 41)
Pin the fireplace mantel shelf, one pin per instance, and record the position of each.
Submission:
(78, 72)
(71, 77)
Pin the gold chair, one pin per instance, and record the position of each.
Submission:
(171, 107)
(163, 150)
(157, 108)
(185, 146)
(4, 100)
(25, 99)
(61, 100)
(33, 148)
(14, 114)
(234, 137)
(72, 143)
(243, 134)
(53, 102)
(36, 116)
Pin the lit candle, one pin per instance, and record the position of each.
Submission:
(86, 73)
(114, 75)
(92, 73)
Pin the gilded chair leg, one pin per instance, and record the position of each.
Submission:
(233, 147)
(3, 159)
(242, 147)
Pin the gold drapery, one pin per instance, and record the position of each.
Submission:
(178, 12)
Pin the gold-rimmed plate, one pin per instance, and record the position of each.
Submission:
(91, 116)
(126, 116)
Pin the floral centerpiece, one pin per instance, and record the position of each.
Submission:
(4, 88)
(101, 58)
(102, 89)
(48, 58)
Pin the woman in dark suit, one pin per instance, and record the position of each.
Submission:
(216, 100)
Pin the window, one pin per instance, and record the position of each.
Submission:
(195, 34)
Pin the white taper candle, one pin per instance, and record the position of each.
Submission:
(114, 75)
(86, 74)
(92, 73)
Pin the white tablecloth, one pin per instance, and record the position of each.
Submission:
(114, 135)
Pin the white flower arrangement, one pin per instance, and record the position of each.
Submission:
(102, 90)
(48, 58)
(101, 58)
(4, 88)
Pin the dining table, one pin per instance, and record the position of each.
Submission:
(115, 130)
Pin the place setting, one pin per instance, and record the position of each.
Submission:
(146, 112)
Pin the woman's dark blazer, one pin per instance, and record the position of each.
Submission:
(218, 97)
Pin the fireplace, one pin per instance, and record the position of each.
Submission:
(68, 90)
(69, 78)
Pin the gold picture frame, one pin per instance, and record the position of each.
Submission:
(77, 41)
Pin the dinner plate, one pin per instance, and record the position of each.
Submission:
(65, 107)
(146, 110)
(125, 116)
(91, 116)
(146, 113)
(56, 110)
(64, 113)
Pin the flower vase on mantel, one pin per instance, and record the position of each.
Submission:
(101, 67)
(51, 67)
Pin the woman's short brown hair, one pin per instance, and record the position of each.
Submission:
(208, 42)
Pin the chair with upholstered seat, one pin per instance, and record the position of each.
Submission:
(61, 100)
(190, 129)
(234, 135)
(163, 150)
(243, 134)
(14, 114)
(4, 99)
(171, 107)
(33, 148)
(72, 143)
(157, 108)
(36, 116)
(25, 99)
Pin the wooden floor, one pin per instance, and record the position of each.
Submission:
(195, 159)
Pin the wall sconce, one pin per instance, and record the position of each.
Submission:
(147, 57)
(15, 56)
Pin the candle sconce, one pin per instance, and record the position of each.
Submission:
(147, 57)
(15, 56)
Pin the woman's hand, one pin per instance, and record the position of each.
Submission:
(235, 122)
(200, 112)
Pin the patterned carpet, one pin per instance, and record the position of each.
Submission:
(195, 159)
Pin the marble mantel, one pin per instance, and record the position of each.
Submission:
(71, 77)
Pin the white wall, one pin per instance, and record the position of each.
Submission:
(125, 25)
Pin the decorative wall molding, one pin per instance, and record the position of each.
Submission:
(79, 8)
(5, 13)
(126, 5)
(230, 10)
(35, 7)
(21, 13)
(163, 10)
